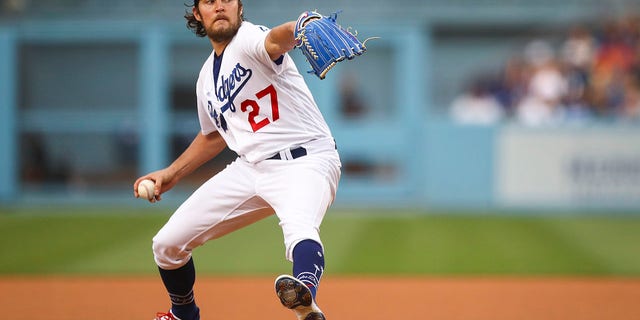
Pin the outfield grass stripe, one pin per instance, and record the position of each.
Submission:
(612, 241)
(396, 243)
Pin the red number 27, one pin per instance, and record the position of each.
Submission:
(255, 108)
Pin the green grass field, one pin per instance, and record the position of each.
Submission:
(118, 241)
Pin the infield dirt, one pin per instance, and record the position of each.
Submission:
(342, 298)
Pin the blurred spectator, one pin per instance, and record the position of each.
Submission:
(578, 50)
(37, 165)
(547, 86)
(630, 110)
(477, 106)
(352, 104)
(512, 84)
(631, 106)
(35, 161)
(127, 140)
(577, 54)
(613, 60)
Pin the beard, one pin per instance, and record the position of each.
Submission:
(224, 34)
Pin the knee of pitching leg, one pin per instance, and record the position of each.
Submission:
(168, 255)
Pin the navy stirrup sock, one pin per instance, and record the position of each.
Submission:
(179, 284)
(308, 264)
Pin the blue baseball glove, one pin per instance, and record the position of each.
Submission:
(324, 42)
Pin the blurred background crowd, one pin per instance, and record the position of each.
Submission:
(593, 74)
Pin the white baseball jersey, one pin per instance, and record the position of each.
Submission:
(259, 106)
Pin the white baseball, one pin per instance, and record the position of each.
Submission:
(146, 189)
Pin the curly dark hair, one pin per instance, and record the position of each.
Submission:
(194, 25)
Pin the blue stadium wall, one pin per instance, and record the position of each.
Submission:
(76, 83)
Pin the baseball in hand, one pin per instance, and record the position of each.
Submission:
(146, 189)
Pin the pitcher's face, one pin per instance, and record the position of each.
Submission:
(220, 18)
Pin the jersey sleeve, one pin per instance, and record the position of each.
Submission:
(254, 46)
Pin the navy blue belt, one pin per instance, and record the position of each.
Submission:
(295, 153)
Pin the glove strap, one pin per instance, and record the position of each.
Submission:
(303, 19)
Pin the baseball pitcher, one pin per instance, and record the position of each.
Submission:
(251, 98)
